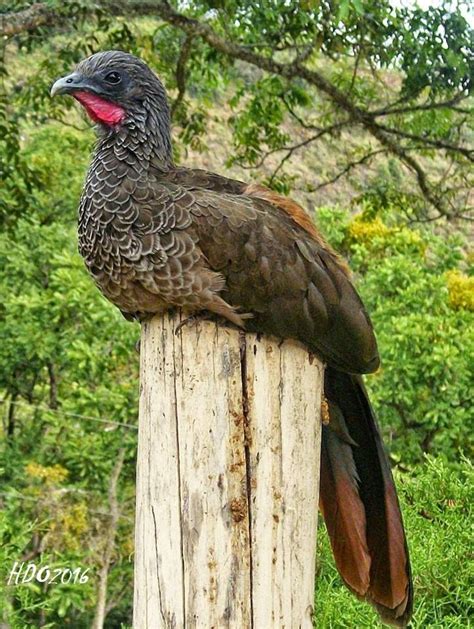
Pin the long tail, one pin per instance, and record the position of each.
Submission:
(359, 502)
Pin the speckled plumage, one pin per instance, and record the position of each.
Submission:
(155, 236)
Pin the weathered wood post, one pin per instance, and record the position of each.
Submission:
(227, 479)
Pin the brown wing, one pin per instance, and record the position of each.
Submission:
(293, 284)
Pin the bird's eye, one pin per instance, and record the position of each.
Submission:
(113, 78)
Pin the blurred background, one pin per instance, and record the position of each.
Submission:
(358, 109)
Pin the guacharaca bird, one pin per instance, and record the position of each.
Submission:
(156, 236)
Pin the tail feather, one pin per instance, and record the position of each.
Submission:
(359, 502)
(344, 513)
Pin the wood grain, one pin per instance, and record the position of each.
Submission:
(227, 479)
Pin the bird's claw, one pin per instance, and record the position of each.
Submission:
(191, 320)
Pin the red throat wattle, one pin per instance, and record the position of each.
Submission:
(99, 109)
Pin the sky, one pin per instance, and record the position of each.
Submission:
(466, 7)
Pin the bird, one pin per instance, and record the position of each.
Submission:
(156, 236)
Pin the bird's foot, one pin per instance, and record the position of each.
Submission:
(140, 316)
(193, 320)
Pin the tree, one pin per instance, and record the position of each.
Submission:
(385, 80)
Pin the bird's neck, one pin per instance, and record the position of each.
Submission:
(141, 141)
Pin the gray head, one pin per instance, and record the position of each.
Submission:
(119, 90)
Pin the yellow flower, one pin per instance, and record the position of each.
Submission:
(376, 235)
(72, 525)
(460, 290)
(51, 475)
(362, 230)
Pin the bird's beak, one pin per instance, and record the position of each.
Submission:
(71, 83)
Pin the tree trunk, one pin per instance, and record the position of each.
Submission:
(110, 534)
(227, 479)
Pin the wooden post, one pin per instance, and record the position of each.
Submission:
(227, 479)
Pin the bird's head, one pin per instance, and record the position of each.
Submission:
(116, 88)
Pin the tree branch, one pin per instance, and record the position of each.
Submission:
(445, 104)
(110, 533)
(365, 158)
(440, 144)
(356, 68)
(181, 72)
(29, 19)
(298, 118)
(11, 418)
(287, 70)
(291, 149)
(295, 147)
(41, 14)
(53, 386)
(291, 70)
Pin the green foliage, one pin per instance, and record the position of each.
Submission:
(422, 390)
(68, 374)
(386, 34)
(258, 125)
(439, 63)
(57, 464)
